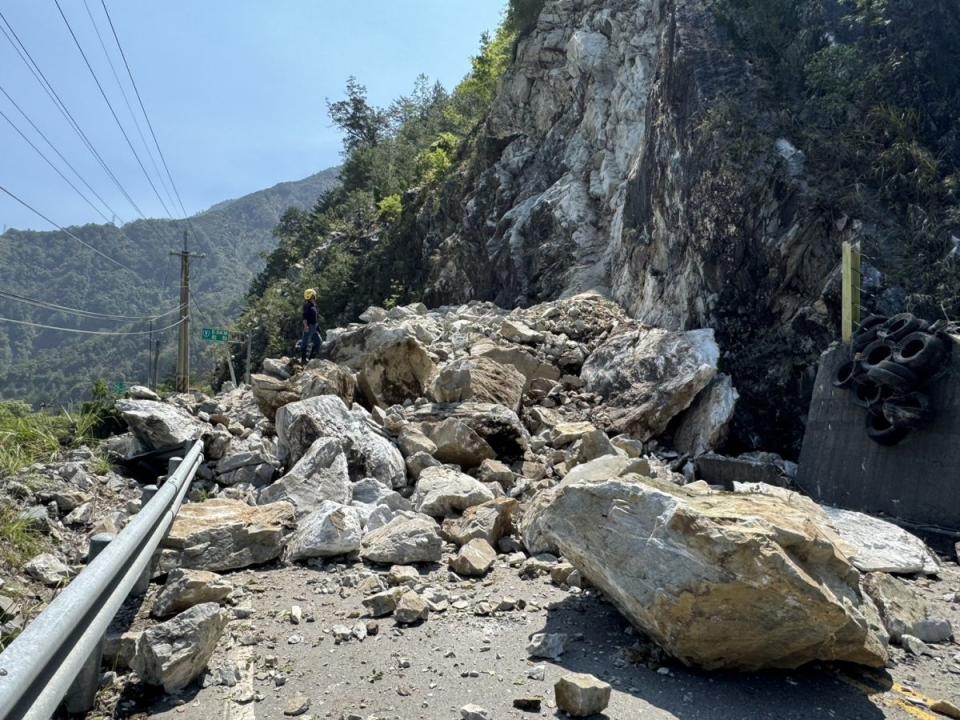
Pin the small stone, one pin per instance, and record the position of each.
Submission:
(48, 570)
(297, 705)
(581, 695)
(537, 672)
(411, 608)
(474, 712)
(914, 646)
(296, 614)
(474, 559)
(528, 704)
(382, 603)
(547, 645)
(341, 633)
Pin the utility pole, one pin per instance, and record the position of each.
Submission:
(156, 365)
(150, 358)
(183, 347)
(247, 364)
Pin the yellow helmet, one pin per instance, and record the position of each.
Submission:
(309, 294)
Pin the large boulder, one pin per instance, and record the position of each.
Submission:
(524, 361)
(489, 521)
(175, 652)
(159, 425)
(705, 424)
(408, 538)
(186, 588)
(720, 580)
(480, 379)
(251, 467)
(456, 443)
(320, 475)
(499, 426)
(323, 377)
(369, 454)
(352, 346)
(648, 376)
(395, 373)
(330, 530)
(876, 545)
(271, 393)
(442, 491)
(221, 534)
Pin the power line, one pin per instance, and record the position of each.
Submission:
(142, 108)
(55, 168)
(87, 332)
(126, 100)
(53, 147)
(48, 88)
(79, 312)
(112, 111)
(70, 234)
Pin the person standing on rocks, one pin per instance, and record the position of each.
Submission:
(311, 333)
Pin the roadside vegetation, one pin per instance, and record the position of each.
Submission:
(28, 437)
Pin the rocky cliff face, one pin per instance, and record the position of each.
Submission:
(609, 162)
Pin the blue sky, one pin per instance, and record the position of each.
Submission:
(235, 89)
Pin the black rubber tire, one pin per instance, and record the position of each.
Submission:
(863, 339)
(908, 411)
(882, 431)
(899, 326)
(921, 352)
(846, 374)
(875, 353)
(866, 393)
(871, 321)
(896, 377)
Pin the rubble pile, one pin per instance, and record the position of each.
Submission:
(563, 441)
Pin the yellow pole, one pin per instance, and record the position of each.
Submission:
(850, 313)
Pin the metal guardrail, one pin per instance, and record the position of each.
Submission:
(58, 654)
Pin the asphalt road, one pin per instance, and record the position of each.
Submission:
(430, 671)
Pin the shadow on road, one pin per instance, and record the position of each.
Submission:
(600, 635)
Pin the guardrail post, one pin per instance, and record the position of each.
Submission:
(146, 494)
(83, 692)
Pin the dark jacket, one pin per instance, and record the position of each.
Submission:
(310, 312)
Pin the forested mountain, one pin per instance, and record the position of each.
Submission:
(52, 366)
(700, 163)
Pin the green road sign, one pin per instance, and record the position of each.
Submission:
(215, 335)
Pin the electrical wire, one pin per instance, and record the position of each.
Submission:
(70, 234)
(143, 108)
(88, 332)
(53, 147)
(48, 88)
(126, 101)
(112, 111)
(55, 168)
(81, 313)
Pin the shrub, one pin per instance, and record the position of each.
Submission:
(391, 208)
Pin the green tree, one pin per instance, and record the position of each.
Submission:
(363, 125)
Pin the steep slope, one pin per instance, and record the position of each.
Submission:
(699, 162)
(55, 367)
(702, 163)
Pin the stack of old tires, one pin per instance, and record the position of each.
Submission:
(892, 362)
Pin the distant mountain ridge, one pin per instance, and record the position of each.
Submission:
(41, 365)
